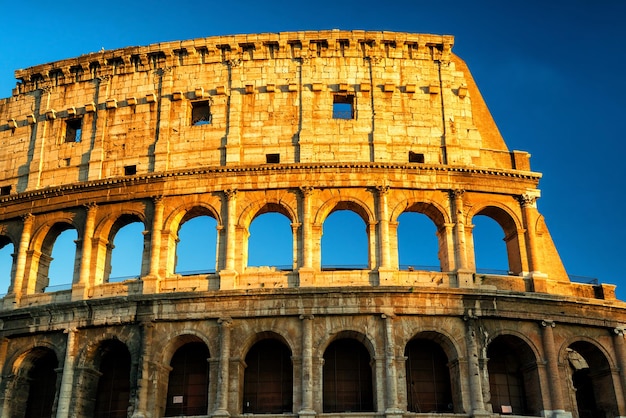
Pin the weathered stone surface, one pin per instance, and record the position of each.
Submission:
(300, 123)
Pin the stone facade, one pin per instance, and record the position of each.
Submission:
(303, 124)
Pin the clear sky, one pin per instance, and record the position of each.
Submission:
(551, 71)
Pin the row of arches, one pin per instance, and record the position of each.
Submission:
(270, 240)
(432, 379)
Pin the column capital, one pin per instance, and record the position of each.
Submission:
(307, 190)
(90, 206)
(382, 190)
(230, 193)
(456, 193)
(307, 316)
(157, 199)
(27, 217)
(620, 331)
(548, 323)
(528, 200)
(225, 322)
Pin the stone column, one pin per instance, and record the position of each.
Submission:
(465, 276)
(228, 275)
(554, 380)
(305, 271)
(143, 381)
(475, 382)
(85, 281)
(67, 379)
(307, 366)
(620, 353)
(391, 377)
(150, 283)
(20, 268)
(385, 271)
(223, 379)
(528, 203)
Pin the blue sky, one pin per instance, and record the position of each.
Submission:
(551, 72)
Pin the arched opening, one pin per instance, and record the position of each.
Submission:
(126, 249)
(427, 377)
(7, 249)
(594, 390)
(113, 393)
(33, 396)
(271, 241)
(188, 384)
(196, 249)
(489, 248)
(56, 268)
(513, 377)
(418, 245)
(344, 241)
(347, 377)
(268, 379)
(62, 263)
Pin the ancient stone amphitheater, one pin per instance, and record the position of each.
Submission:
(303, 124)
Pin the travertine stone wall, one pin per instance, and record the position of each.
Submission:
(417, 138)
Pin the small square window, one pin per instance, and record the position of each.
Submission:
(200, 113)
(272, 158)
(415, 157)
(73, 130)
(130, 170)
(343, 106)
(5, 190)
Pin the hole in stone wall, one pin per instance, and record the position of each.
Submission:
(343, 106)
(73, 130)
(5, 190)
(272, 158)
(415, 157)
(200, 113)
(130, 170)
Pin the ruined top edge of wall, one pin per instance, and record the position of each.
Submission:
(294, 45)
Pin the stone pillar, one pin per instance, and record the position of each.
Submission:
(620, 353)
(223, 380)
(67, 379)
(391, 406)
(85, 281)
(385, 272)
(150, 283)
(228, 275)
(475, 382)
(465, 277)
(307, 366)
(554, 380)
(528, 203)
(305, 271)
(143, 380)
(15, 294)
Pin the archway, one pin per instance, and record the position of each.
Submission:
(197, 246)
(344, 241)
(188, 383)
(427, 377)
(271, 241)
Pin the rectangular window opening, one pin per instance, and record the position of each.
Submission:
(5, 190)
(73, 130)
(272, 158)
(343, 106)
(415, 157)
(200, 113)
(130, 170)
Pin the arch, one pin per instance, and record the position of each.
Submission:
(270, 241)
(112, 392)
(44, 244)
(433, 210)
(344, 203)
(195, 233)
(592, 390)
(347, 376)
(34, 384)
(7, 264)
(343, 245)
(428, 379)
(510, 225)
(172, 227)
(513, 376)
(260, 207)
(123, 221)
(417, 249)
(188, 381)
(268, 377)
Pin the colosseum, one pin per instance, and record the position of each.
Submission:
(301, 125)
